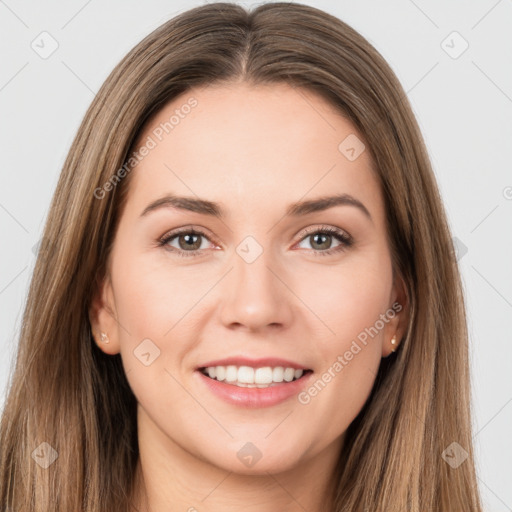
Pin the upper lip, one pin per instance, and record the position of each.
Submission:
(254, 363)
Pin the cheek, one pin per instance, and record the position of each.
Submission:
(364, 297)
(345, 299)
(350, 305)
(337, 301)
(152, 311)
(152, 294)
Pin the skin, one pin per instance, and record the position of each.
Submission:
(255, 150)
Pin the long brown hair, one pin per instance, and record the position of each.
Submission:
(66, 392)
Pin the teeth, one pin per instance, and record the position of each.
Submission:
(220, 372)
(246, 376)
(231, 373)
(263, 375)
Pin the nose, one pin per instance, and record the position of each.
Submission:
(255, 295)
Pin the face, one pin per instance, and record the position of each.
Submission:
(255, 285)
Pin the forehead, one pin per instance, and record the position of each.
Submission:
(249, 147)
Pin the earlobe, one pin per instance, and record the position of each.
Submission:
(104, 337)
(103, 319)
(397, 326)
(393, 343)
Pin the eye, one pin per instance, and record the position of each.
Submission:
(322, 239)
(188, 240)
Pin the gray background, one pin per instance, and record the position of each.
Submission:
(463, 102)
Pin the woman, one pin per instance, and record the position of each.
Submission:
(183, 349)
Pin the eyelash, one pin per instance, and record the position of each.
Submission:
(345, 239)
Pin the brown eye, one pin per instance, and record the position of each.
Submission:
(321, 240)
(189, 242)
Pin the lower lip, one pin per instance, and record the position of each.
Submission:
(255, 397)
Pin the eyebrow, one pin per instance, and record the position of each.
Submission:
(297, 209)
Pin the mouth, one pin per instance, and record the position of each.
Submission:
(250, 377)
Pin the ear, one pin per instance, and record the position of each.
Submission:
(103, 317)
(398, 316)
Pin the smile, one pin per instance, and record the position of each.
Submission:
(248, 377)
